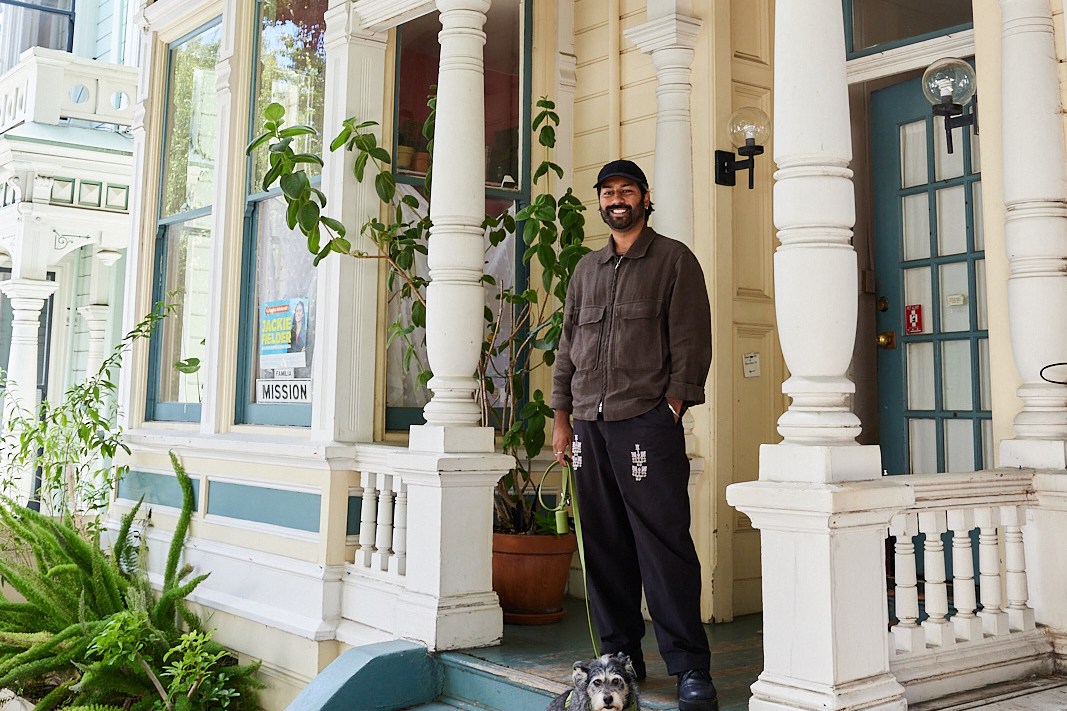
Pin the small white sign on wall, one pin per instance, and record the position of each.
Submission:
(271, 391)
(750, 363)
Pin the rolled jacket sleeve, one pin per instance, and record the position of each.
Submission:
(562, 399)
(689, 332)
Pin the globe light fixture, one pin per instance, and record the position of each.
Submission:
(748, 128)
(949, 84)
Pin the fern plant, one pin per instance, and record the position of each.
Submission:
(91, 619)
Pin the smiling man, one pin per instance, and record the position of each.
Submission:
(635, 352)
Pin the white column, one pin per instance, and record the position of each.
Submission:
(96, 319)
(1035, 198)
(1035, 232)
(27, 297)
(454, 326)
(346, 335)
(821, 509)
(670, 41)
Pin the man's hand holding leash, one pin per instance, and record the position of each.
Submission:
(562, 436)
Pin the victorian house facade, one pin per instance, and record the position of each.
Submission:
(887, 315)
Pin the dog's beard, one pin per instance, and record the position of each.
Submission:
(611, 695)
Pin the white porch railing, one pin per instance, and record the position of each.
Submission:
(48, 85)
(383, 525)
(956, 627)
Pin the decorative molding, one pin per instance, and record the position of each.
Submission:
(383, 15)
(913, 56)
(63, 243)
(669, 31)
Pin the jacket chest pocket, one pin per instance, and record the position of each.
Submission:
(638, 340)
(588, 326)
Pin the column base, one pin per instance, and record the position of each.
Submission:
(1034, 453)
(876, 693)
(456, 622)
(451, 438)
(819, 464)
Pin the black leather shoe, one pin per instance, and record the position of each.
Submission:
(696, 692)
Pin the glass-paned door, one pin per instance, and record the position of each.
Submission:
(933, 361)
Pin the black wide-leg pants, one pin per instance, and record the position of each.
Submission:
(632, 478)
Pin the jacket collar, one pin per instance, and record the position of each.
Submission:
(637, 250)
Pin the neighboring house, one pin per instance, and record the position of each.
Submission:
(66, 103)
(327, 523)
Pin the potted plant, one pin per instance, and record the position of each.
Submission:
(522, 333)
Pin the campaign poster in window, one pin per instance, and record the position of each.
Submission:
(283, 335)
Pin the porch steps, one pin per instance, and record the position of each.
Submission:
(1036, 693)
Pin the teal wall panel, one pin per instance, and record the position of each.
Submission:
(355, 505)
(277, 507)
(162, 489)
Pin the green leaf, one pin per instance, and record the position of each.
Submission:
(380, 154)
(334, 225)
(293, 184)
(546, 138)
(273, 111)
(418, 314)
(307, 158)
(294, 131)
(359, 166)
(308, 217)
(340, 139)
(290, 213)
(385, 186)
(258, 141)
(189, 365)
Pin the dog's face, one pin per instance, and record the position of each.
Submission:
(608, 683)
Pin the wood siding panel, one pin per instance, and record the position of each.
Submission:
(751, 31)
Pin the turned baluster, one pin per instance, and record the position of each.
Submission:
(939, 632)
(367, 521)
(908, 635)
(1020, 615)
(965, 622)
(994, 618)
(383, 540)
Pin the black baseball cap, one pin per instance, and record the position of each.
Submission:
(622, 169)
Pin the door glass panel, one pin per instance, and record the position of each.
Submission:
(947, 165)
(921, 376)
(951, 221)
(987, 444)
(955, 298)
(913, 154)
(917, 291)
(916, 227)
(959, 445)
(956, 375)
(983, 364)
(980, 296)
(979, 223)
(922, 446)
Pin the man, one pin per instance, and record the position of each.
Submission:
(635, 353)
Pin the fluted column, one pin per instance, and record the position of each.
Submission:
(670, 41)
(1035, 198)
(454, 325)
(96, 316)
(27, 298)
(821, 511)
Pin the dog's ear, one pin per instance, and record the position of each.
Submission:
(627, 664)
(579, 673)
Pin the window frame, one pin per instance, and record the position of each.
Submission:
(852, 53)
(70, 14)
(156, 411)
(400, 419)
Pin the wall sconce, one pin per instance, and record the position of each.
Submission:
(948, 84)
(749, 128)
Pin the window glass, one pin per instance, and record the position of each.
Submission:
(279, 303)
(420, 54)
(290, 63)
(189, 139)
(184, 238)
(878, 22)
(23, 27)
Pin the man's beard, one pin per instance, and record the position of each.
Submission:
(623, 222)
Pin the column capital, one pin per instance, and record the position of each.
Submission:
(669, 32)
(28, 289)
(383, 15)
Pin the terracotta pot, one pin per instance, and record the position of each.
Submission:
(530, 576)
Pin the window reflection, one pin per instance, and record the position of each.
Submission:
(876, 22)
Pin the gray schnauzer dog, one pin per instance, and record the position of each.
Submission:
(607, 683)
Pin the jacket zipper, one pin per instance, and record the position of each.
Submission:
(608, 323)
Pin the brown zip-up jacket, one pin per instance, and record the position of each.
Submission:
(636, 329)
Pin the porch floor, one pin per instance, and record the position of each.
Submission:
(549, 651)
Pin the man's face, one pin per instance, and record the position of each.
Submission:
(622, 204)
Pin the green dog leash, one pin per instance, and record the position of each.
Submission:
(568, 493)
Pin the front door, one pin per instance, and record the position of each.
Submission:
(933, 355)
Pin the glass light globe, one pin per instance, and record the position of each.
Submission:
(749, 123)
(949, 78)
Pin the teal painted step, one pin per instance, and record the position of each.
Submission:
(471, 683)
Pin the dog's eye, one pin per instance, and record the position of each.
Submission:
(597, 682)
(616, 683)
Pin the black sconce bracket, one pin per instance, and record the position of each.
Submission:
(955, 117)
(727, 166)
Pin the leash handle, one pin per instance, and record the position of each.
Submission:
(568, 494)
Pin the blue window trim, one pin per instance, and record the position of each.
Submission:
(246, 410)
(852, 53)
(402, 418)
(156, 411)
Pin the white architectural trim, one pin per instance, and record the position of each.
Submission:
(383, 15)
(913, 56)
(171, 19)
